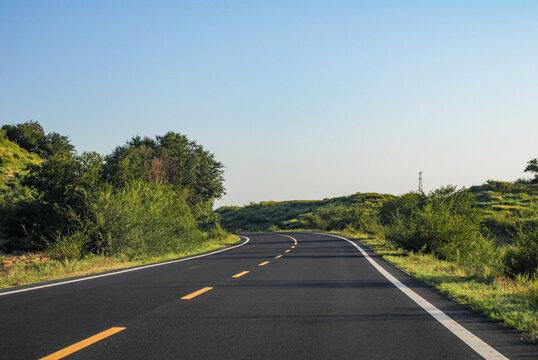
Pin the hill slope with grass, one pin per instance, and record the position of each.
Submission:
(13, 162)
(293, 214)
(507, 208)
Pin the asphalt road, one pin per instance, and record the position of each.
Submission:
(322, 299)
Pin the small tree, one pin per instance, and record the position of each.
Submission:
(31, 137)
(532, 166)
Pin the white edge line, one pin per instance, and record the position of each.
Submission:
(124, 271)
(473, 341)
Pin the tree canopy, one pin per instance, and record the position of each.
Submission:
(31, 137)
(170, 159)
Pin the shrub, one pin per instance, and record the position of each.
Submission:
(443, 223)
(340, 217)
(522, 256)
(67, 247)
(483, 257)
(403, 207)
(141, 219)
(217, 233)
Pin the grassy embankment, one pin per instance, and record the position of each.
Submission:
(296, 214)
(13, 160)
(13, 163)
(36, 267)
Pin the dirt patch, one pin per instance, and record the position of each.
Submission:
(7, 261)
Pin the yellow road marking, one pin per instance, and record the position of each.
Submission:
(278, 257)
(293, 247)
(294, 240)
(82, 344)
(196, 293)
(240, 274)
(263, 263)
(287, 251)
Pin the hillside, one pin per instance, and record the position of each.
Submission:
(293, 214)
(13, 161)
(505, 207)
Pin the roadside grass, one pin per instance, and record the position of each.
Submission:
(35, 270)
(513, 302)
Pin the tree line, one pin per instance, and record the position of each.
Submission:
(149, 196)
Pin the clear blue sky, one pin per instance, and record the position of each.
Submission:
(298, 99)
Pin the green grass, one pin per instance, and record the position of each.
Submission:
(13, 160)
(513, 302)
(34, 271)
(506, 206)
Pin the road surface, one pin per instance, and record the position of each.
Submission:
(274, 296)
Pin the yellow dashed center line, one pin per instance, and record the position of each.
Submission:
(82, 344)
(263, 263)
(196, 293)
(287, 251)
(293, 247)
(240, 274)
(278, 257)
(294, 240)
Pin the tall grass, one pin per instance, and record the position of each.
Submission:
(35, 270)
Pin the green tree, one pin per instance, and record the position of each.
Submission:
(31, 137)
(532, 166)
(171, 159)
(61, 185)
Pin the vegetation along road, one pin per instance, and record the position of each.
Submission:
(272, 296)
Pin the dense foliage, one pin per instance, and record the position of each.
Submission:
(31, 137)
(149, 197)
(171, 159)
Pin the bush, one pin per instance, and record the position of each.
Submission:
(217, 233)
(67, 247)
(483, 257)
(340, 217)
(522, 256)
(402, 207)
(50, 194)
(141, 219)
(443, 223)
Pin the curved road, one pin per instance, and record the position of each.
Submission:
(277, 296)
